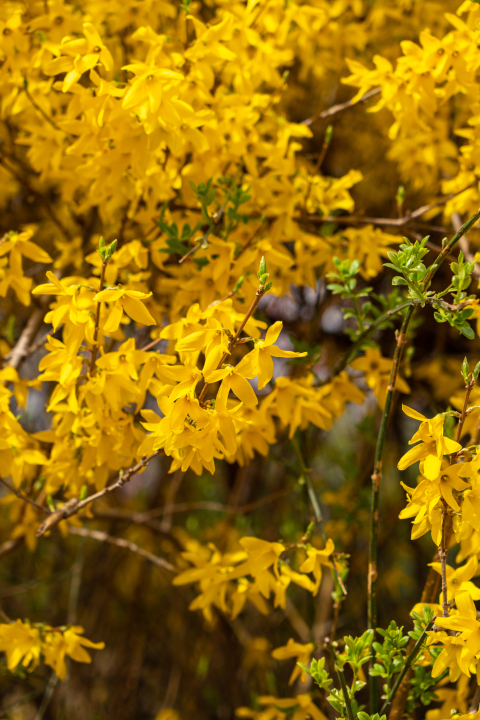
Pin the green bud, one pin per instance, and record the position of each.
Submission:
(102, 243)
(239, 284)
(476, 371)
(83, 492)
(310, 530)
(465, 369)
(111, 249)
(39, 483)
(262, 269)
(328, 135)
(50, 503)
(400, 196)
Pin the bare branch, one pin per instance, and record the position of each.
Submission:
(340, 107)
(121, 542)
(23, 497)
(73, 506)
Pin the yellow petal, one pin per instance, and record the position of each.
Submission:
(137, 311)
(413, 413)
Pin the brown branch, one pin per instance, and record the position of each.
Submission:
(340, 107)
(93, 357)
(475, 702)
(151, 344)
(40, 110)
(121, 542)
(38, 344)
(144, 517)
(432, 582)
(35, 193)
(474, 440)
(23, 497)
(468, 390)
(73, 506)
(392, 222)
(216, 218)
(431, 585)
(258, 296)
(22, 347)
(442, 551)
(9, 545)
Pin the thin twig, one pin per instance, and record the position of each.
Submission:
(204, 238)
(258, 296)
(38, 344)
(442, 551)
(10, 545)
(23, 497)
(151, 344)
(144, 517)
(468, 390)
(50, 689)
(35, 193)
(448, 246)
(349, 355)
(475, 702)
(317, 510)
(376, 477)
(73, 506)
(121, 542)
(18, 353)
(40, 110)
(340, 107)
(475, 439)
(343, 684)
(93, 357)
(408, 662)
(431, 584)
(392, 222)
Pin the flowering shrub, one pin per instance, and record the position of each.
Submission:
(215, 284)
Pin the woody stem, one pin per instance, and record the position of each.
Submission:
(448, 247)
(97, 322)
(258, 295)
(468, 389)
(431, 585)
(376, 477)
(442, 551)
(317, 511)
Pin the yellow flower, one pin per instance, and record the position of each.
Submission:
(465, 622)
(315, 560)
(18, 245)
(21, 643)
(235, 379)
(296, 650)
(68, 643)
(377, 374)
(433, 444)
(450, 655)
(122, 300)
(79, 56)
(264, 351)
(458, 581)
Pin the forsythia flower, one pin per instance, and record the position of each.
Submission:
(26, 643)
(296, 650)
(433, 445)
(465, 622)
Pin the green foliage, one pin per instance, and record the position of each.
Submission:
(408, 262)
(318, 673)
(345, 283)
(104, 251)
(389, 655)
